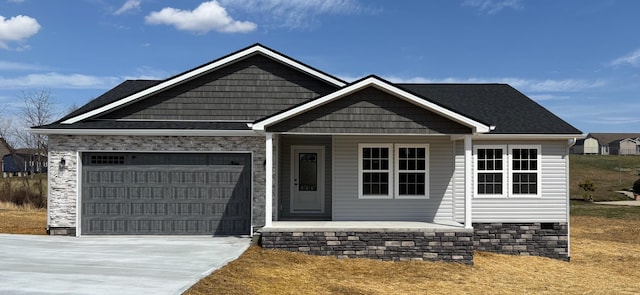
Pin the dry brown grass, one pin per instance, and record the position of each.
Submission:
(605, 260)
(22, 220)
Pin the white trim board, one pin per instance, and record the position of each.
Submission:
(146, 132)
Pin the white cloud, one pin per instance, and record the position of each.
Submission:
(15, 66)
(493, 6)
(525, 85)
(15, 1)
(58, 81)
(632, 59)
(148, 73)
(128, 6)
(17, 28)
(206, 17)
(541, 97)
(295, 13)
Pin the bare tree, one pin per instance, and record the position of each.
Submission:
(38, 109)
(7, 126)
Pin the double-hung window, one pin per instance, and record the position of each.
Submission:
(388, 171)
(502, 171)
(525, 170)
(411, 173)
(490, 176)
(375, 171)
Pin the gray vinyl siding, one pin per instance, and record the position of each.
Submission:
(347, 205)
(551, 206)
(370, 111)
(284, 178)
(249, 89)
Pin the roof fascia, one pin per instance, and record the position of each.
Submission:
(144, 132)
(528, 136)
(379, 84)
(201, 70)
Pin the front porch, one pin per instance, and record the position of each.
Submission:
(385, 240)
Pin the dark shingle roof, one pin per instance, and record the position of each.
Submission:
(122, 90)
(500, 105)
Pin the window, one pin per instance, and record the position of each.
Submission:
(490, 171)
(506, 171)
(375, 170)
(525, 165)
(411, 171)
(385, 172)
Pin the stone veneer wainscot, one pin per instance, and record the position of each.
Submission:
(389, 244)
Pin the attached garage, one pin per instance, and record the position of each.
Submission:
(166, 194)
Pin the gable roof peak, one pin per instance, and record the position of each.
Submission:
(201, 70)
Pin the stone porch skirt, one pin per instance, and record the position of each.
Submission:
(397, 241)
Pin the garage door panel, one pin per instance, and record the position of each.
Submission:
(122, 198)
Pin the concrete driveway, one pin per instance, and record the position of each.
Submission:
(110, 265)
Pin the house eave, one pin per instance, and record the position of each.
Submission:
(490, 136)
(144, 132)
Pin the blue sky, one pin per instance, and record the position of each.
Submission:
(580, 59)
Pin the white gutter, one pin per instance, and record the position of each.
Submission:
(144, 132)
(527, 136)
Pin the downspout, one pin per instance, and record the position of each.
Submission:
(571, 143)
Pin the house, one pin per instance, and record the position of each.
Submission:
(608, 144)
(5, 149)
(626, 146)
(23, 163)
(258, 142)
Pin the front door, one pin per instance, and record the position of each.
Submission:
(307, 179)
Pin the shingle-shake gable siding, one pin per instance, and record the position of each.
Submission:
(247, 90)
(370, 111)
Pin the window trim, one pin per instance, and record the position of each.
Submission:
(389, 195)
(538, 171)
(397, 171)
(505, 171)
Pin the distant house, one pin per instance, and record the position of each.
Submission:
(608, 144)
(21, 161)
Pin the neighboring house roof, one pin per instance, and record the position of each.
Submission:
(5, 148)
(606, 138)
(487, 108)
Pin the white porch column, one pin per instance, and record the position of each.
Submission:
(468, 176)
(268, 206)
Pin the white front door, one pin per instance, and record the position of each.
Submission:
(307, 179)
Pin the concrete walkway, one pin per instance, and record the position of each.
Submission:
(630, 202)
(110, 265)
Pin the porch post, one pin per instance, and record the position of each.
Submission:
(268, 206)
(468, 176)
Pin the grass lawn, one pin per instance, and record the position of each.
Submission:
(609, 174)
(20, 220)
(605, 259)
